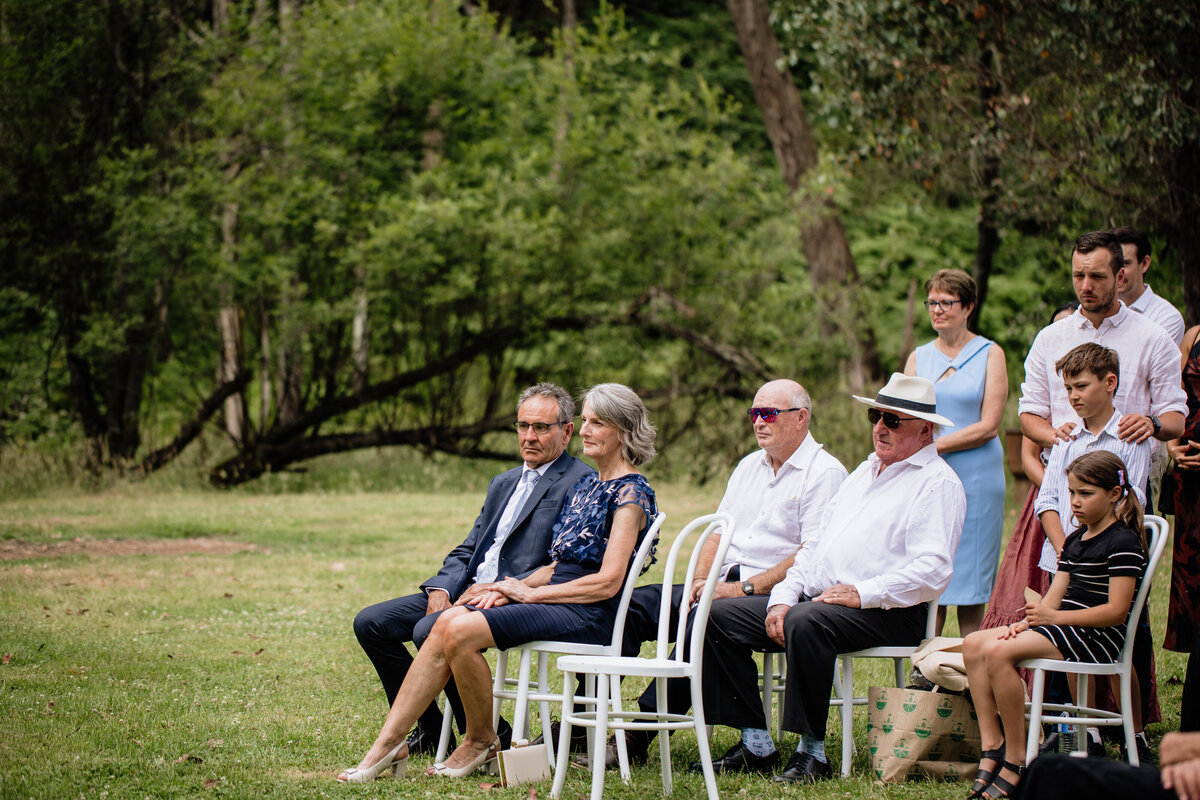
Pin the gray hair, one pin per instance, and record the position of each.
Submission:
(800, 399)
(566, 406)
(620, 405)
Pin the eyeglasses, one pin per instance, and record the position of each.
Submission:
(768, 414)
(941, 305)
(539, 428)
(890, 420)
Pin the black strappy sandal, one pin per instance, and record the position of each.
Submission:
(984, 778)
(1000, 787)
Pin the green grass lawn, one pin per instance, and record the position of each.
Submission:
(149, 670)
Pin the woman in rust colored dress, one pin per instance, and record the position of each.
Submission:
(1184, 613)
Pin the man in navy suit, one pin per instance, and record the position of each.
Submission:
(511, 537)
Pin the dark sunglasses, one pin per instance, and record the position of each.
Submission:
(767, 414)
(890, 420)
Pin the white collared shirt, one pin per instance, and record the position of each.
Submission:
(1150, 380)
(488, 568)
(1160, 312)
(1054, 495)
(892, 535)
(775, 512)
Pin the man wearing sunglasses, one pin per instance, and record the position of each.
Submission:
(776, 496)
(511, 537)
(883, 550)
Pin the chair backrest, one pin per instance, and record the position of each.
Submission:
(699, 530)
(1156, 542)
(635, 571)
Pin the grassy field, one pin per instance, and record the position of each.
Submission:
(192, 643)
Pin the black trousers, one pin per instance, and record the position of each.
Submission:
(383, 631)
(1055, 776)
(814, 634)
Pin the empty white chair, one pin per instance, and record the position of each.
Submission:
(684, 664)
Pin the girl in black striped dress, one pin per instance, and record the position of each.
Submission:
(1081, 618)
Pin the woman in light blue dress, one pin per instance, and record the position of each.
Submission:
(971, 381)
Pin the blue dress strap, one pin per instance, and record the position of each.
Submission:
(979, 344)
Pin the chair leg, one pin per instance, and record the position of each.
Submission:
(443, 747)
(1127, 717)
(664, 737)
(498, 686)
(847, 693)
(901, 678)
(564, 736)
(1035, 714)
(520, 723)
(710, 780)
(600, 736)
(544, 705)
(614, 691)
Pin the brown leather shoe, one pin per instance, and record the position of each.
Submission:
(638, 754)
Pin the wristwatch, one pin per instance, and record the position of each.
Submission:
(747, 588)
(1157, 425)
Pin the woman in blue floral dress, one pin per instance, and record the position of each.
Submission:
(572, 599)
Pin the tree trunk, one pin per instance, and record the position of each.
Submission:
(359, 338)
(228, 323)
(1185, 211)
(987, 237)
(822, 236)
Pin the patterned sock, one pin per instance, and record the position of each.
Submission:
(813, 747)
(757, 741)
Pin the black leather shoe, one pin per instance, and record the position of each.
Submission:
(1096, 749)
(424, 742)
(1145, 754)
(739, 759)
(638, 753)
(578, 738)
(804, 768)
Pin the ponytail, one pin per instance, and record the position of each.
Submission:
(1104, 469)
(1129, 510)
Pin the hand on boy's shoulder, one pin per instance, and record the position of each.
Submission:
(1066, 431)
(1135, 428)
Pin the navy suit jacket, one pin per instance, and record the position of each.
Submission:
(528, 545)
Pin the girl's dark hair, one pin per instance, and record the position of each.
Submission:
(1105, 470)
(1070, 305)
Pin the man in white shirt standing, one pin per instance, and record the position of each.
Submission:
(1150, 390)
(883, 550)
(776, 496)
(1136, 293)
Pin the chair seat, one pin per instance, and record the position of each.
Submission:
(627, 665)
(882, 652)
(1062, 665)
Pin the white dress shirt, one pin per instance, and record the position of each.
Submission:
(1054, 495)
(1151, 380)
(775, 512)
(1161, 312)
(490, 565)
(892, 535)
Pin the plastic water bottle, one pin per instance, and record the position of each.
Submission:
(1067, 740)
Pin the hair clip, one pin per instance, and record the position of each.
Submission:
(1120, 477)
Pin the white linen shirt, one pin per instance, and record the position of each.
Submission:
(1150, 380)
(774, 513)
(892, 535)
(1054, 495)
(1161, 312)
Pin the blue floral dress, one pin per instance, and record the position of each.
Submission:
(578, 547)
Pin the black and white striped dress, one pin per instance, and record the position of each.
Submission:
(1114, 552)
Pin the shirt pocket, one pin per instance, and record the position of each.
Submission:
(783, 522)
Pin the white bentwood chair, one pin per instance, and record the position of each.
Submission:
(1081, 714)
(685, 664)
(523, 691)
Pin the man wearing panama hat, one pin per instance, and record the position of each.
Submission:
(883, 551)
